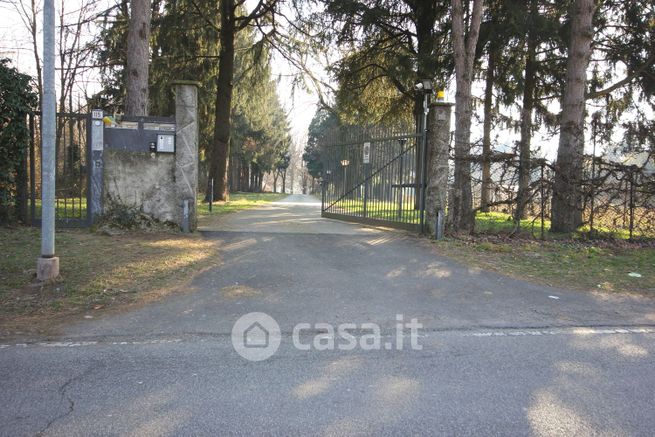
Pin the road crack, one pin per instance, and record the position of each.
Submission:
(64, 397)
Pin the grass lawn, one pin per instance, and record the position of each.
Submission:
(568, 264)
(237, 202)
(378, 209)
(502, 223)
(97, 271)
(100, 271)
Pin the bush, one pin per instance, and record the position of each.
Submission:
(17, 100)
(119, 216)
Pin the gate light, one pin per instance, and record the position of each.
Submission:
(424, 85)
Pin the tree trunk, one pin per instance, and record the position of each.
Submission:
(460, 205)
(221, 141)
(284, 182)
(245, 178)
(138, 58)
(567, 197)
(21, 188)
(485, 194)
(523, 194)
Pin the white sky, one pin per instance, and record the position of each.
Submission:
(299, 104)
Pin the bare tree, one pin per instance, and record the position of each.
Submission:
(138, 58)
(460, 205)
(567, 196)
(72, 48)
(72, 51)
(27, 11)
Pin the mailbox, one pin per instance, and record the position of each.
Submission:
(141, 134)
(166, 143)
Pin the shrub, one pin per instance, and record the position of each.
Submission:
(17, 100)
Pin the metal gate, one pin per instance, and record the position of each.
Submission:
(373, 176)
(71, 163)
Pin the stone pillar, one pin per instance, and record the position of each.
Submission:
(437, 167)
(186, 152)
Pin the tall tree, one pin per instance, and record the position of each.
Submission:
(529, 85)
(185, 46)
(110, 50)
(223, 105)
(138, 58)
(567, 196)
(485, 189)
(460, 204)
(322, 121)
(232, 21)
(391, 46)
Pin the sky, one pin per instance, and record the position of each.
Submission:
(299, 104)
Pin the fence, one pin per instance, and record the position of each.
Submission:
(618, 200)
(71, 157)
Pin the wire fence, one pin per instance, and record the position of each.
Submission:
(617, 199)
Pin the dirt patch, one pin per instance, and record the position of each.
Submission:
(239, 291)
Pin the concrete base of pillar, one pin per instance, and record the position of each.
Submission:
(47, 268)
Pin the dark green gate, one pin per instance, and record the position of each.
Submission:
(71, 162)
(373, 176)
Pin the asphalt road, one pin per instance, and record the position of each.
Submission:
(498, 357)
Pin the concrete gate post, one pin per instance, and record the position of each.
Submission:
(186, 151)
(96, 144)
(437, 168)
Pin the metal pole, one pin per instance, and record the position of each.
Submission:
(543, 200)
(424, 161)
(593, 178)
(632, 201)
(211, 195)
(185, 216)
(401, 189)
(48, 270)
(324, 183)
(48, 133)
(32, 172)
(366, 177)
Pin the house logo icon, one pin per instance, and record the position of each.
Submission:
(256, 336)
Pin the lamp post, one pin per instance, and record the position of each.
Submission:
(47, 265)
(425, 86)
(401, 188)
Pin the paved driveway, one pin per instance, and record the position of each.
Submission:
(498, 356)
